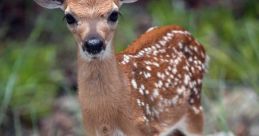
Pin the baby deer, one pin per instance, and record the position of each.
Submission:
(152, 88)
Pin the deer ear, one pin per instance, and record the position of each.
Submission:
(127, 1)
(50, 4)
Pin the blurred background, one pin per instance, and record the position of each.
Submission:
(38, 63)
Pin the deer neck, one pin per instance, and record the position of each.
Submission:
(100, 78)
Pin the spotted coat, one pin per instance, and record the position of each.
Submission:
(165, 68)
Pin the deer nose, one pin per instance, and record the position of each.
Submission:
(93, 45)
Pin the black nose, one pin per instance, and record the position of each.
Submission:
(93, 45)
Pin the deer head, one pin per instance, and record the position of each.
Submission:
(92, 22)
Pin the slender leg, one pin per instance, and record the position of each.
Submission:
(194, 123)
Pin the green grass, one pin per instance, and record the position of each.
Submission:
(232, 44)
(30, 82)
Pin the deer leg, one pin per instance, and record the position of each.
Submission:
(194, 123)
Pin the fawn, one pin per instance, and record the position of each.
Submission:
(151, 88)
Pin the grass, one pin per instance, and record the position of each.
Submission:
(15, 70)
(25, 87)
(229, 42)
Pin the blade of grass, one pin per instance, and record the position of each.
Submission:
(17, 124)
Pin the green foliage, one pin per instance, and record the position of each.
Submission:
(126, 33)
(36, 79)
(232, 44)
(28, 77)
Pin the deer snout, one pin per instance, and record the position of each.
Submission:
(94, 45)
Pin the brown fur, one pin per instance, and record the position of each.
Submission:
(103, 97)
(110, 94)
(105, 94)
(195, 121)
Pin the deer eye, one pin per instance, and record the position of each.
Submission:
(70, 19)
(113, 16)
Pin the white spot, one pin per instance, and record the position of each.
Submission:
(142, 87)
(126, 59)
(158, 46)
(190, 59)
(196, 110)
(145, 118)
(170, 34)
(159, 84)
(135, 65)
(193, 70)
(141, 91)
(196, 62)
(180, 45)
(180, 32)
(118, 132)
(155, 64)
(186, 49)
(174, 70)
(142, 104)
(175, 100)
(148, 68)
(186, 79)
(180, 90)
(162, 42)
(167, 85)
(147, 75)
(165, 38)
(138, 102)
(155, 53)
(192, 100)
(134, 84)
(195, 49)
(151, 28)
(155, 93)
(201, 108)
(148, 111)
